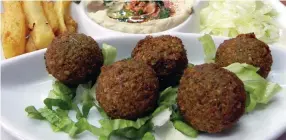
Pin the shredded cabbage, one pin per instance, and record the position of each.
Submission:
(233, 17)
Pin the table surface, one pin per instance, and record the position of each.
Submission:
(7, 136)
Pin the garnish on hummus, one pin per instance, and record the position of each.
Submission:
(142, 11)
(137, 16)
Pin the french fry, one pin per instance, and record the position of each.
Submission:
(70, 24)
(41, 33)
(60, 8)
(13, 29)
(51, 16)
(30, 46)
(2, 23)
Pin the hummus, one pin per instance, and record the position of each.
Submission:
(139, 17)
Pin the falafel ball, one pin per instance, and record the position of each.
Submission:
(165, 54)
(74, 59)
(127, 89)
(245, 48)
(210, 98)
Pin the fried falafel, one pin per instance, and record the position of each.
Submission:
(165, 54)
(245, 48)
(127, 89)
(210, 98)
(74, 59)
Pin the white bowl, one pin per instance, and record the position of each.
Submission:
(194, 26)
(108, 32)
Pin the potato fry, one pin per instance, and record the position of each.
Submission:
(42, 33)
(30, 46)
(51, 16)
(2, 23)
(13, 29)
(60, 8)
(70, 24)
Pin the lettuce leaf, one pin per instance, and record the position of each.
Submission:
(169, 132)
(132, 133)
(126, 128)
(209, 48)
(168, 96)
(34, 113)
(83, 125)
(57, 102)
(185, 129)
(161, 118)
(176, 114)
(84, 96)
(109, 54)
(148, 136)
(259, 89)
(136, 129)
(59, 120)
(61, 96)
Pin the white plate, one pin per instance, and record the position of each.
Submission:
(25, 82)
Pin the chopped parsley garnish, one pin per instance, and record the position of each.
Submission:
(105, 2)
(164, 13)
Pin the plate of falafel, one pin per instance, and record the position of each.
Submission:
(163, 87)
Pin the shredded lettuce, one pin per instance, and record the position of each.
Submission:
(148, 136)
(209, 48)
(191, 65)
(34, 113)
(168, 96)
(83, 125)
(179, 124)
(84, 97)
(176, 114)
(109, 53)
(161, 118)
(109, 126)
(169, 132)
(185, 129)
(63, 99)
(230, 18)
(259, 89)
(77, 110)
(57, 102)
(132, 133)
(137, 129)
(59, 120)
(61, 96)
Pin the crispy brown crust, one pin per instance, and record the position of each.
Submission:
(211, 98)
(74, 59)
(245, 48)
(127, 89)
(165, 54)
